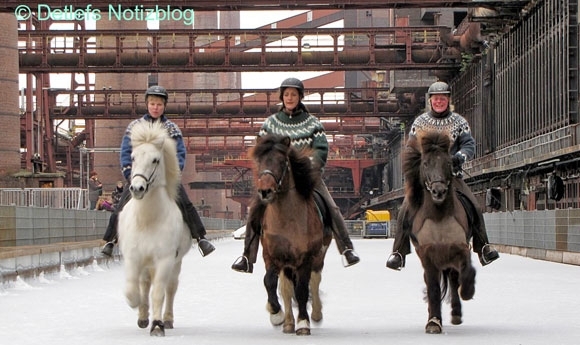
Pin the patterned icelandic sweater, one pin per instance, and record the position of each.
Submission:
(453, 123)
(303, 129)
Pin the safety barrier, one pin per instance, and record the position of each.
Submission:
(65, 198)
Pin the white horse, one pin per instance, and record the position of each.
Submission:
(153, 237)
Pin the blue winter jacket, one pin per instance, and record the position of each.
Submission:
(127, 148)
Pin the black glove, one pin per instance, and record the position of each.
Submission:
(458, 159)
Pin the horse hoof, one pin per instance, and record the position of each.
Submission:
(456, 320)
(288, 329)
(278, 318)
(143, 323)
(303, 331)
(466, 293)
(168, 324)
(433, 326)
(157, 329)
(316, 317)
(303, 327)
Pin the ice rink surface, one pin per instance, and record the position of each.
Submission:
(517, 301)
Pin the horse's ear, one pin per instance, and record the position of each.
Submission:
(286, 141)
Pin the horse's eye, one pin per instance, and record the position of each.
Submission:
(156, 161)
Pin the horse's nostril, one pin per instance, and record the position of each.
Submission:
(265, 193)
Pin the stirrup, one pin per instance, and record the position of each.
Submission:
(354, 258)
(401, 263)
(107, 249)
(205, 247)
(482, 257)
(248, 268)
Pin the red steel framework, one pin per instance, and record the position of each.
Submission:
(239, 50)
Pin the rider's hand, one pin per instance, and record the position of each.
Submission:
(458, 159)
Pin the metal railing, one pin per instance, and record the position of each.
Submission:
(67, 198)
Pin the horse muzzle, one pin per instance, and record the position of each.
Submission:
(138, 188)
(266, 195)
(438, 191)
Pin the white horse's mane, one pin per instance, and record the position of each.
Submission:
(156, 134)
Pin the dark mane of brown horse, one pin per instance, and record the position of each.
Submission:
(305, 175)
(423, 143)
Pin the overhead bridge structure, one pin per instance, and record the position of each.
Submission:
(216, 121)
(311, 49)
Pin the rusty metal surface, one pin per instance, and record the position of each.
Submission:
(315, 49)
(207, 104)
(237, 5)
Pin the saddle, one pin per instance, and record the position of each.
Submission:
(323, 210)
(470, 211)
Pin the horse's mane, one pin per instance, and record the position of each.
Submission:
(423, 143)
(155, 133)
(305, 175)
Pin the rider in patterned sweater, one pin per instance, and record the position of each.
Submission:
(156, 99)
(441, 118)
(305, 130)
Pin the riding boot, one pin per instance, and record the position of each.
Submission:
(111, 233)
(481, 244)
(193, 221)
(402, 244)
(245, 263)
(338, 227)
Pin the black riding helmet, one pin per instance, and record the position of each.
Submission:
(156, 90)
(292, 82)
(439, 88)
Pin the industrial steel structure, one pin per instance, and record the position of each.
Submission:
(513, 66)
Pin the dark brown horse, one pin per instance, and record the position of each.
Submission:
(294, 240)
(440, 229)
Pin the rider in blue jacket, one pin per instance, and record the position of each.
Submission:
(156, 98)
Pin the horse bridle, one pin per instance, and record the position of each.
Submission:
(429, 184)
(148, 180)
(281, 179)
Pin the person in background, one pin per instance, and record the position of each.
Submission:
(305, 131)
(116, 194)
(105, 204)
(95, 190)
(441, 118)
(36, 163)
(156, 99)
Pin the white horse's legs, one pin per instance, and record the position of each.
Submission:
(316, 314)
(171, 290)
(287, 292)
(132, 284)
(163, 271)
(144, 288)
